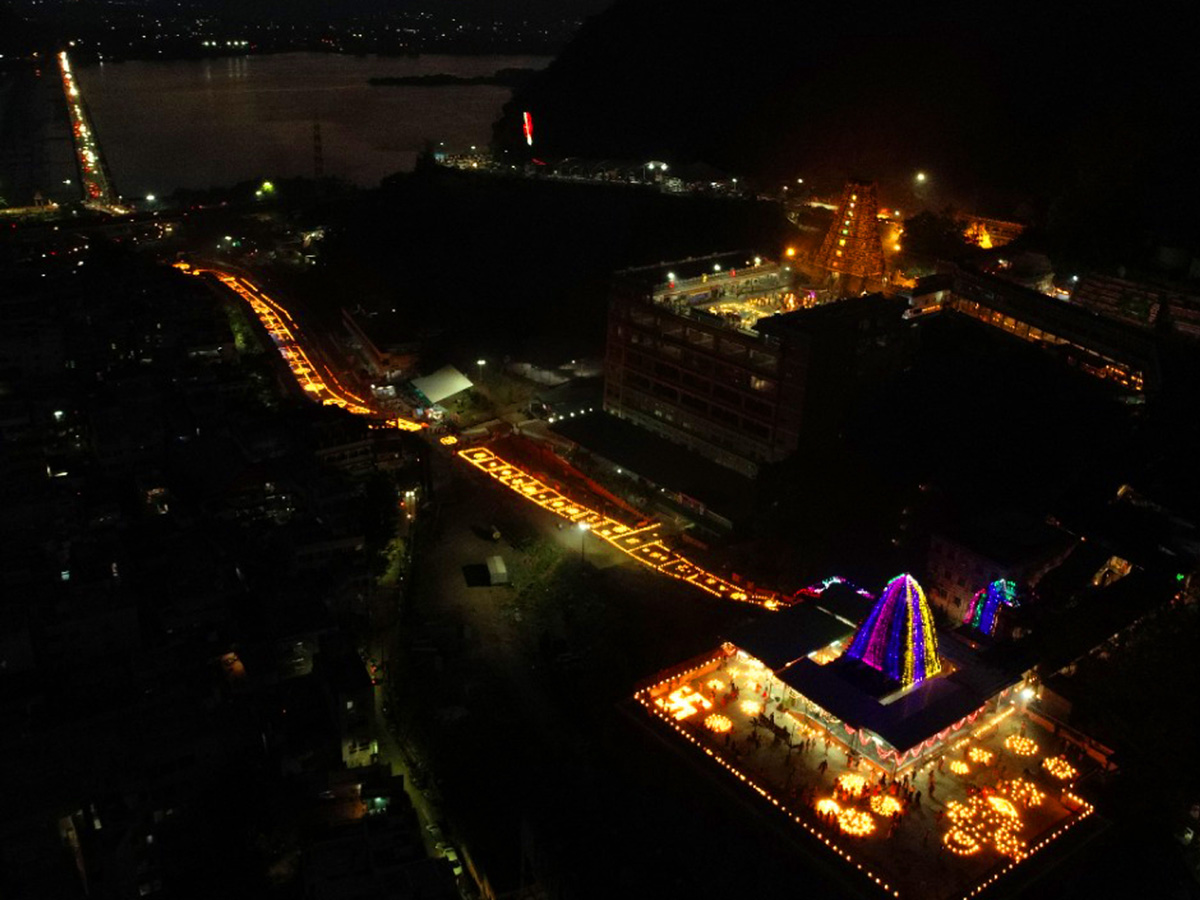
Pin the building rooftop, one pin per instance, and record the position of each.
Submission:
(1009, 538)
(1090, 329)
(732, 290)
(819, 317)
(860, 696)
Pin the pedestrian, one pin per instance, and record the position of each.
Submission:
(931, 789)
(823, 766)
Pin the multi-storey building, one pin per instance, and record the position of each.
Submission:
(1097, 345)
(723, 358)
(1139, 303)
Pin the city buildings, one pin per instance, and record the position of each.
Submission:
(719, 354)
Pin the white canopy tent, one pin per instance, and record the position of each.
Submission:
(445, 382)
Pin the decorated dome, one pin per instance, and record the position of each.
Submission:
(985, 606)
(897, 637)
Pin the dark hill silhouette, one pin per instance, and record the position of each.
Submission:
(1003, 102)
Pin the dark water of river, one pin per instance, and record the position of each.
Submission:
(203, 123)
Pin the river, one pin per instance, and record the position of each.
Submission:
(211, 122)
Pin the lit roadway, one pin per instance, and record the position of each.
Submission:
(311, 372)
(98, 191)
(641, 544)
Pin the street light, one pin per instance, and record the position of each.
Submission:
(481, 363)
(584, 528)
(920, 178)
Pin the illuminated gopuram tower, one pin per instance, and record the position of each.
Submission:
(985, 608)
(898, 637)
(852, 246)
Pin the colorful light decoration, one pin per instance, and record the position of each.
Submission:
(641, 544)
(885, 805)
(448, 440)
(751, 707)
(827, 806)
(682, 703)
(958, 767)
(716, 684)
(650, 697)
(898, 636)
(1022, 791)
(1021, 745)
(718, 723)
(856, 822)
(983, 820)
(981, 755)
(1058, 767)
(283, 329)
(852, 782)
(527, 127)
(985, 605)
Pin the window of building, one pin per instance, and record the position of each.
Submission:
(725, 395)
(758, 408)
(642, 316)
(667, 372)
(842, 242)
(761, 384)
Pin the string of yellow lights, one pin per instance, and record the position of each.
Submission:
(642, 544)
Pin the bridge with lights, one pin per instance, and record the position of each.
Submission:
(98, 190)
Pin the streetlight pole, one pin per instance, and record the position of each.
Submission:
(584, 528)
(480, 363)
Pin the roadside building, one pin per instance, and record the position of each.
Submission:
(718, 354)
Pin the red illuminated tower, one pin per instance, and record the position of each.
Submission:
(852, 245)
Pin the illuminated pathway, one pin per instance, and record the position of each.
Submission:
(326, 388)
(642, 544)
(97, 189)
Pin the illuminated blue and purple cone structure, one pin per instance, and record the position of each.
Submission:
(897, 637)
(984, 608)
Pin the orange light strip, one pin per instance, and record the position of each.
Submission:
(642, 544)
(282, 328)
